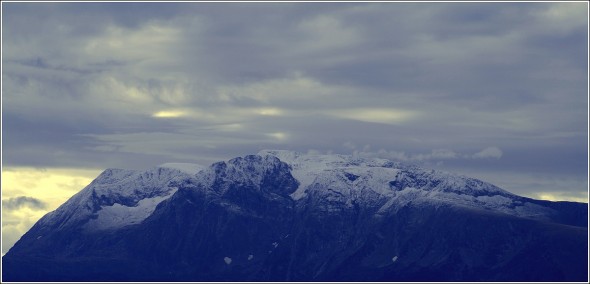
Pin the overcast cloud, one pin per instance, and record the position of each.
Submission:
(493, 90)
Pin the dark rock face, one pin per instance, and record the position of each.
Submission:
(236, 222)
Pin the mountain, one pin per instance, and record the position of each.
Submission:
(287, 216)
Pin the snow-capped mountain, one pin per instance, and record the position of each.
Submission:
(118, 198)
(386, 185)
(282, 215)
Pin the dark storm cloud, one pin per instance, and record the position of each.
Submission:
(133, 85)
(19, 202)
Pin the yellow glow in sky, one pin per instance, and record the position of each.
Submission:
(169, 113)
(278, 135)
(559, 196)
(270, 111)
(52, 186)
(379, 115)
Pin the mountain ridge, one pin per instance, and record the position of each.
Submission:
(287, 216)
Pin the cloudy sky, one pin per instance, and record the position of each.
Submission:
(497, 91)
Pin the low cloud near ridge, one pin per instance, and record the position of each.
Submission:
(19, 202)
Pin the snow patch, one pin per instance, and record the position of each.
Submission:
(227, 260)
(343, 180)
(394, 259)
(275, 244)
(309, 169)
(117, 215)
(305, 168)
(111, 187)
(250, 257)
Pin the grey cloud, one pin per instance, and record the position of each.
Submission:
(434, 155)
(82, 83)
(19, 202)
(455, 67)
(489, 152)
